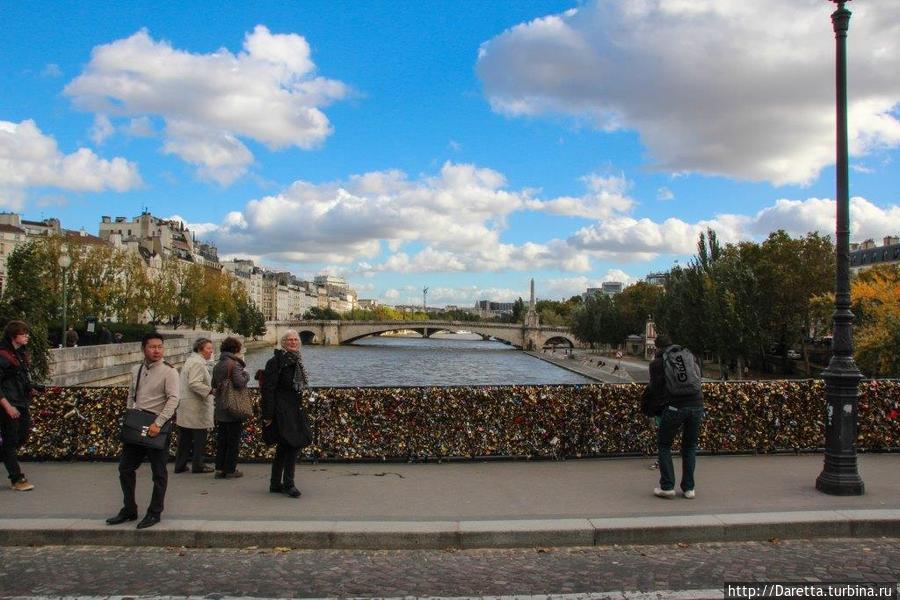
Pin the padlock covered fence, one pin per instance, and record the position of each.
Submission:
(537, 422)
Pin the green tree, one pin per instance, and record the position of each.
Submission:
(161, 291)
(250, 320)
(26, 297)
(635, 304)
(792, 272)
(322, 314)
(595, 322)
(518, 311)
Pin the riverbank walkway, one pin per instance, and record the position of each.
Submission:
(597, 367)
(459, 505)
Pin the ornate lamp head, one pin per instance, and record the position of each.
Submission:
(64, 260)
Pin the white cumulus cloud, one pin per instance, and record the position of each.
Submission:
(268, 92)
(606, 196)
(453, 219)
(799, 217)
(29, 158)
(741, 89)
(629, 239)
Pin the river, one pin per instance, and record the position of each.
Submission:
(442, 360)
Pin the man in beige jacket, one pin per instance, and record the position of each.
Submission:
(195, 409)
(154, 388)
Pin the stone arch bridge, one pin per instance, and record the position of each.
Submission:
(333, 333)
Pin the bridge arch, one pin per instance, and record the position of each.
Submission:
(427, 332)
(308, 337)
(558, 340)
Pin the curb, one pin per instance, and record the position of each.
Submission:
(398, 535)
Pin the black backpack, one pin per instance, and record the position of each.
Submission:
(682, 372)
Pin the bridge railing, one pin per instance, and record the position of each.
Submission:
(541, 422)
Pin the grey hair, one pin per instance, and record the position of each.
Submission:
(287, 333)
(201, 341)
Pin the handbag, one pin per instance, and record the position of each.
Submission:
(135, 426)
(236, 402)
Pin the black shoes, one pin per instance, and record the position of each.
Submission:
(120, 518)
(233, 475)
(203, 469)
(148, 521)
(290, 490)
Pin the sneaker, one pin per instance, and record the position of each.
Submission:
(234, 474)
(22, 485)
(689, 494)
(663, 493)
(655, 465)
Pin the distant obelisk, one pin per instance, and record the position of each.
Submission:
(531, 317)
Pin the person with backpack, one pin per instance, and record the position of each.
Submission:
(675, 396)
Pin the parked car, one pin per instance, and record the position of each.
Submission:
(793, 354)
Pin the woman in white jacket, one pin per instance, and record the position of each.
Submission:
(195, 409)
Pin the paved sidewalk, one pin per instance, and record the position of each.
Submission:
(586, 366)
(468, 504)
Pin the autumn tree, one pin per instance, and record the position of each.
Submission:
(876, 305)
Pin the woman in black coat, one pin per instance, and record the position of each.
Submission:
(283, 415)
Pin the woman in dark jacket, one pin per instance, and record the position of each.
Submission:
(228, 427)
(15, 397)
(282, 411)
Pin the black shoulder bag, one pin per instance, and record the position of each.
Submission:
(136, 423)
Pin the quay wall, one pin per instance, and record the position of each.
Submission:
(110, 364)
(107, 364)
(537, 422)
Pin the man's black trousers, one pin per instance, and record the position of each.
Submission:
(132, 457)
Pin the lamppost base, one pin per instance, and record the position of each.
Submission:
(840, 477)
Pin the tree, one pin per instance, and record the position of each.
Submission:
(25, 297)
(128, 298)
(595, 321)
(793, 271)
(191, 304)
(322, 314)
(518, 311)
(250, 320)
(876, 304)
(635, 304)
(161, 298)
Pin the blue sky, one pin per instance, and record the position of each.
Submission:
(462, 146)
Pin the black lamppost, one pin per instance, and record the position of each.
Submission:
(840, 475)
